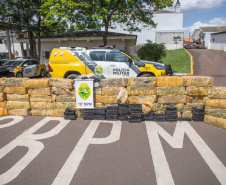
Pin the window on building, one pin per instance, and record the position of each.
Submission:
(213, 40)
(46, 54)
(1, 41)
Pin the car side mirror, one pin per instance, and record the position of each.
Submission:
(25, 65)
(130, 60)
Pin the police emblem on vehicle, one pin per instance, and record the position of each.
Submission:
(84, 91)
(98, 70)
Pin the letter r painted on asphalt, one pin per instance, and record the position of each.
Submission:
(65, 176)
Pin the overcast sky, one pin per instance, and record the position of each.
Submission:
(202, 13)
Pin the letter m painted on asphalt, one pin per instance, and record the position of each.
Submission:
(162, 170)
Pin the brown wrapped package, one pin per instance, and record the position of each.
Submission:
(65, 98)
(79, 113)
(61, 91)
(97, 91)
(1, 89)
(41, 105)
(142, 81)
(216, 112)
(217, 92)
(109, 99)
(146, 109)
(114, 82)
(16, 90)
(98, 105)
(143, 99)
(97, 98)
(61, 82)
(14, 82)
(220, 103)
(219, 122)
(164, 91)
(37, 83)
(2, 96)
(189, 106)
(3, 104)
(42, 98)
(18, 97)
(197, 91)
(141, 90)
(187, 114)
(110, 91)
(64, 105)
(18, 105)
(19, 112)
(3, 112)
(42, 112)
(163, 106)
(123, 96)
(171, 99)
(169, 81)
(58, 112)
(40, 91)
(198, 81)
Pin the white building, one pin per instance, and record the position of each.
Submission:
(169, 29)
(218, 41)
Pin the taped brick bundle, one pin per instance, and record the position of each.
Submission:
(142, 82)
(172, 99)
(18, 105)
(110, 91)
(3, 104)
(198, 81)
(97, 99)
(18, 97)
(141, 90)
(122, 96)
(65, 98)
(42, 98)
(1, 89)
(42, 112)
(197, 91)
(143, 99)
(114, 82)
(164, 91)
(109, 99)
(219, 122)
(64, 105)
(216, 112)
(3, 112)
(37, 83)
(15, 90)
(40, 91)
(161, 107)
(58, 112)
(14, 82)
(219, 103)
(217, 92)
(19, 112)
(41, 105)
(2, 97)
(62, 91)
(61, 82)
(97, 91)
(169, 81)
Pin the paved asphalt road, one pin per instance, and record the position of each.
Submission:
(210, 63)
(45, 150)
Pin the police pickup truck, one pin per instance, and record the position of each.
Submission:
(67, 62)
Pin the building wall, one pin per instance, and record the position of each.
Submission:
(218, 42)
(172, 40)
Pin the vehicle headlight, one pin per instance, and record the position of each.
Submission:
(159, 66)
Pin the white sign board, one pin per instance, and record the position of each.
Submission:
(84, 93)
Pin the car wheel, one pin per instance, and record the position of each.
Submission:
(19, 75)
(72, 76)
(42, 73)
(147, 75)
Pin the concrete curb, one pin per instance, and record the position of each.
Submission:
(191, 61)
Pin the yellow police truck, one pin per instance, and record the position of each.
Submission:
(68, 62)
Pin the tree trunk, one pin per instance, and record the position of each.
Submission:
(31, 49)
(22, 48)
(39, 38)
(106, 30)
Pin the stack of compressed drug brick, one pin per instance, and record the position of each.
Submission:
(112, 113)
(135, 112)
(69, 114)
(197, 88)
(123, 112)
(149, 116)
(171, 113)
(142, 90)
(17, 98)
(110, 90)
(97, 97)
(63, 95)
(171, 93)
(3, 110)
(41, 99)
(100, 113)
(215, 107)
(89, 114)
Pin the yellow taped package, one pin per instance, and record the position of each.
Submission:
(79, 113)
(0, 81)
(122, 96)
(61, 82)
(3, 104)
(65, 98)
(169, 81)
(198, 81)
(14, 82)
(142, 99)
(219, 122)
(19, 112)
(187, 114)
(109, 104)
(146, 109)
(220, 103)
(98, 105)
(171, 99)
(163, 106)
(164, 91)
(142, 81)
(216, 112)
(18, 105)
(110, 91)
(42, 112)
(16, 90)
(1, 89)
(97, 91)
(97, 98)
(109, 99)
(42, 98)
(58, 112)
(3, 112)
(37, 83)
(18, 97)
(197, 91)
(62, 91)
(2, 96)
(141, 90)
(190, 106)
(40, 91)
(114, 82)
(217, 92)
(64, 105)
(41, 105)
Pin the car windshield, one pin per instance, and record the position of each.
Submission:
(8, 63)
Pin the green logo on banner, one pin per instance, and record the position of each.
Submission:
(84, 91)
(99, 70)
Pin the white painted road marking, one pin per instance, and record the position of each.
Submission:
(162, 170)
(70, 167)
(16, 119)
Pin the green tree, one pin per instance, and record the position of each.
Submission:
(130, 13)
(152, 52)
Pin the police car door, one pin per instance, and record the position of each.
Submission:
(98, 63)
(26, 69)
(120, 65)
(34, 67)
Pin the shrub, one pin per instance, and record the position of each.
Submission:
(152, 51)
